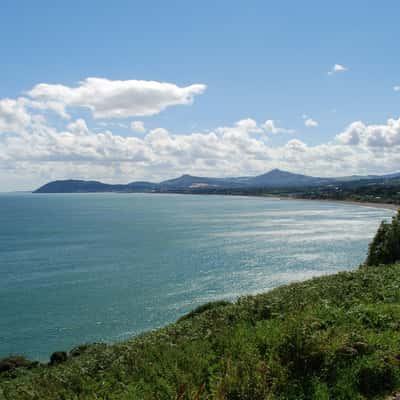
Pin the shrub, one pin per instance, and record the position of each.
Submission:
(376, 376)
(205, 307)
(79, 350)
(385, 247)
(58, 357)
(13, 362)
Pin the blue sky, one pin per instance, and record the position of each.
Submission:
(261, 60)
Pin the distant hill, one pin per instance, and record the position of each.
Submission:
(80, 186)
(193, 182)
(279, 178)
(275, 178)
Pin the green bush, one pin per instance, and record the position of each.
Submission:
(212, 305)
(376, 376)
(13, 362)
(385, 247)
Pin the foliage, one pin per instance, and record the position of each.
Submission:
(13, 362)
(385, 247)
(364, 191)
(334, 337)
(212, 305)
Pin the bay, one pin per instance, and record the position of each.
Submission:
(81, 268)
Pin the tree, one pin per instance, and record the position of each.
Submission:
(385, 247)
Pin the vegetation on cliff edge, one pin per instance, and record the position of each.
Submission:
(385, 247)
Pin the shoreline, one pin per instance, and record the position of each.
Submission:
(387, 206)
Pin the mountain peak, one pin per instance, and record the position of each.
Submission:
(277, 170)
(279, 178)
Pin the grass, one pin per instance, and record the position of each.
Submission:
(334, 337)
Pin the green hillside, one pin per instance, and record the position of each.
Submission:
(335, 337)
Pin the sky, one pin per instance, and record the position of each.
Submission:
(127, 90)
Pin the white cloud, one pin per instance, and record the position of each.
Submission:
(296, 144)
(372, 136)
(337, 68)
(247, 125)
(396, 88)
(113, 99)
(309, 122)
(270, 127)
(13, 115)
(241, 129)
(138, 126)
(78, 127)
(77, 144)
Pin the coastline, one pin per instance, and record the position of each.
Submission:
(387, 206)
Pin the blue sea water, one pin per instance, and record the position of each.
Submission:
(78, 268)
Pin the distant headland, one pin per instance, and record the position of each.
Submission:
(274, 179)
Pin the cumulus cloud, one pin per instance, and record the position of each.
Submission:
(372, 136)
(138, 126)
(78, 127)
(309, 122)
(337, 68)
(13, 115)
(77, 144)
(113, 98)
(244, 126)
(296, 145)
(270, 127)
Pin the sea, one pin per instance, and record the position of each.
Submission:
(83, 268)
